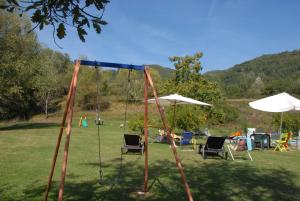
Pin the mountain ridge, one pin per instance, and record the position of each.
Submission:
(265, 75)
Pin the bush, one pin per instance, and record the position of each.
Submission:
(187, 117)
(291, 122)
(137, 125)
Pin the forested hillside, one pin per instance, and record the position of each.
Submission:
(265, 75)
(165, 73)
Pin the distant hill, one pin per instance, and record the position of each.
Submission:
(264, 75)
(165, 73)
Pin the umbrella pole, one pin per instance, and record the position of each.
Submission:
(280, 128)
(174, 117)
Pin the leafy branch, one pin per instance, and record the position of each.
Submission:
(59, 13)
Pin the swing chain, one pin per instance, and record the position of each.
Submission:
(125, 120)
(97, 121)
(127, 98)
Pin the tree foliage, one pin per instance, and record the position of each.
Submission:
(189, 82)
(52, 81)
(74, 13)
(87, 89)
(28, 71)
(291, 122)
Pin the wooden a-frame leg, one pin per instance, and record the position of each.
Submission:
(146, 132)
(173, 146)
(67, 108)
(68, 137)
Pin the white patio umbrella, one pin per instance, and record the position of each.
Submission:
(282, 102)
(175, 99)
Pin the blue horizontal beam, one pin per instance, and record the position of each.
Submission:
(111, 65)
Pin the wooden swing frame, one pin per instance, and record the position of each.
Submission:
(68, 116)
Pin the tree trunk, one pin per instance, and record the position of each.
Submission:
(46, 104)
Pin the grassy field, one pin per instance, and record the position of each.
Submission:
(27, 147)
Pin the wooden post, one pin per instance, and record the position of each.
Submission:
(68, 136)
(70, 93)
(146, 131)
(162, 114)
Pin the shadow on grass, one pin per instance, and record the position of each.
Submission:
(19, 126)
(222, 180)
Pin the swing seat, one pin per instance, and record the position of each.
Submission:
(132, 143)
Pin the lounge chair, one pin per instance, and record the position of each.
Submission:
(132, 143)
(187, 139)
(282, 143)
(237, 150)
(213, 146)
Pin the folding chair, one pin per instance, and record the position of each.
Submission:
(187, 139)
(282, 144)
(236, 150)
(132, 143)
(213, 146)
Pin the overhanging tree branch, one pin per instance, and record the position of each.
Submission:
(60, 13)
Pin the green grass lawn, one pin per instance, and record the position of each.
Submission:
(26, 151)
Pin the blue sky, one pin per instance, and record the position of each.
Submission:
(228, 32)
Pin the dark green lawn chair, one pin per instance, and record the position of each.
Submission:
(214, 147)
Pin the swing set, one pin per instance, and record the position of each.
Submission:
(68, 117)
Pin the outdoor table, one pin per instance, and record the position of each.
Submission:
(262, 137)
(295, 142)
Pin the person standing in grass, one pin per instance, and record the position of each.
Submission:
(83, 123)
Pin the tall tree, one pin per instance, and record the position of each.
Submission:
(18, 51)
(53, 78)
(189, 82)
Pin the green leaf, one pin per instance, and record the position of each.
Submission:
(89, 2)
(61, 31)
(11, 9)
(81, 32)
(102, 22)
(15, 2)
(3, 7)
(85, 21)
(76, 14)
(96, 27)
(36, 17)
(41, 26)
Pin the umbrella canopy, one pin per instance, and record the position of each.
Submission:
(282, 102)
(175, 99)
